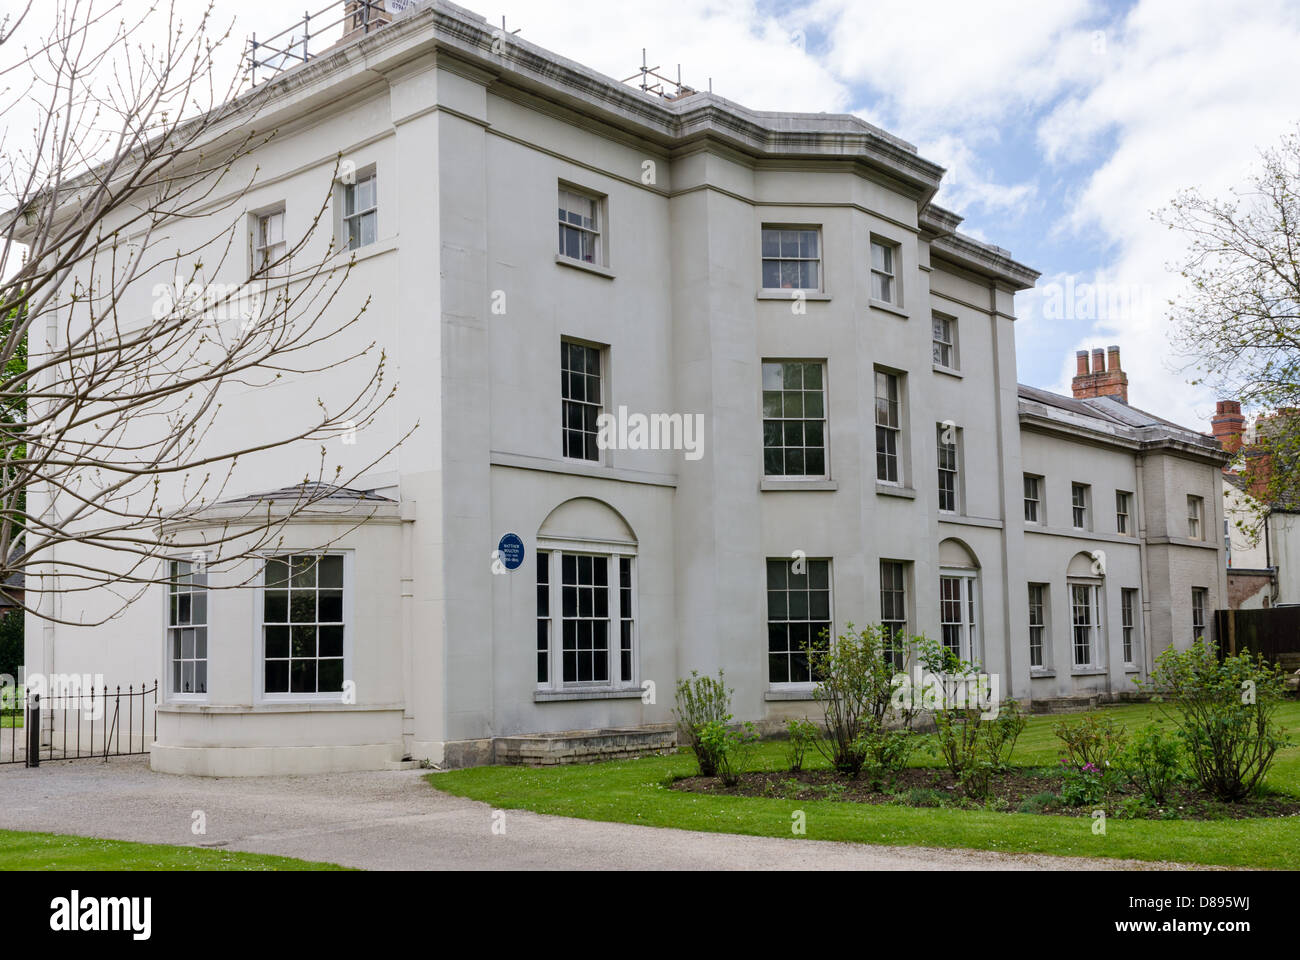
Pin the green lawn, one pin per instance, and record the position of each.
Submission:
(635, 791)
(51, 851)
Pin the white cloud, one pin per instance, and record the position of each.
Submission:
(1194, 91)
(954, 65)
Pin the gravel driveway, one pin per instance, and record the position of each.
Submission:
(395, 821)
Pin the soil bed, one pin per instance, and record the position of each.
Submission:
(1019, 790)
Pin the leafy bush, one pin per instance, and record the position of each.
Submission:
(1151, 763)
(1225, 713)
(885, 754)
(1038, 803)
(700, 702)
(925, 797)
(855, 685)
(973, 746)
(1094, 739)
(1003, 732)
(803, 734)
(730, 750)
(957, 738)
(1084, 786)
(11, 642)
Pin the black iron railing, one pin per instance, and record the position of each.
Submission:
(76, 724)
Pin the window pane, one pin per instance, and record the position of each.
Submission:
(277, 676)
(331, 571)
(331, 641)
(330, 677)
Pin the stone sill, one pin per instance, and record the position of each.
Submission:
(554, 696)
(949, 371)
(889, 490)
(582, 265)
(772, 486)
(788, 296)
(1089, 673)
(784, 696)
(1042, 674)
(890, 308)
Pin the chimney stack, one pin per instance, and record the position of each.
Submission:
(362, 18)
(1228, 425)
(1106, 378)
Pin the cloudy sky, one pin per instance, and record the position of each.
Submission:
(1063, 124)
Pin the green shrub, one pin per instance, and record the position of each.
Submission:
(11, 642)
(1003, 732)
(925, 797)
(1093, 739)
(855, 685)
(730, 750)
(701, 701)
(1225, 713)
(1084, 786)
(973, 745)
(1151, 763)
(1038, 803)
(803, 734)
(885, 754)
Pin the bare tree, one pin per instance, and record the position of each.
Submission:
(1239, 325)
(114, 381)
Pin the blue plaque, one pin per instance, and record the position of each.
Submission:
(511, 551)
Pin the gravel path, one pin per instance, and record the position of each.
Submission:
(395, 821)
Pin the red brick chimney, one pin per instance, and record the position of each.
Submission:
(362, 18)
(1105, 378)
(1228, 425)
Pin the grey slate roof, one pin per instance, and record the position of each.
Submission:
(1106, 415)
(315, 493)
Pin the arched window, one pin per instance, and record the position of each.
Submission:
(1084, 582)
(586, 598)
(959, 614)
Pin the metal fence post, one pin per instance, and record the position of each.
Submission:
(34, 731)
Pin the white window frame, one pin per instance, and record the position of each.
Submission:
(348, 191)
(1040, 516)
(1200, 606)
(1096, 627)
(266, 253)
(1195, 518)
(259, 610)
(767, 620)
(804, 419)
(1130, 607)
(948, 468)
(595, 235)
(942, 323)
(781, 257)
(1123, 513)
(169, 628)
(611, 552)
(1076, 506)
(885, 271)
(602, 378)
(895, 429)
(1043, 626)
(969, 606)
(547, 653)
(895, 627)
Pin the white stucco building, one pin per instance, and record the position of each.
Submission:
(783, 277)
